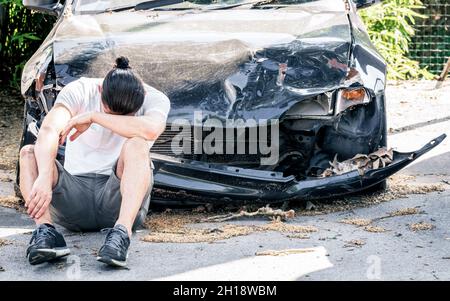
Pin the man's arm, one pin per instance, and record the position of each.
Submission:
(148, 127)
(45, 152)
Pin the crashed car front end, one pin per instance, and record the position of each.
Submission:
(305, 79)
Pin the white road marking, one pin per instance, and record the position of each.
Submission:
(4, 232)
(260, 268)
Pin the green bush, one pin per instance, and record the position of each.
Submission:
(390, 27)
(22, 32)
(431, 43)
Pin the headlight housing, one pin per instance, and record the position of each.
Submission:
(349, 97)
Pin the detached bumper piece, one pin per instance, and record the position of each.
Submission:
(192, 182)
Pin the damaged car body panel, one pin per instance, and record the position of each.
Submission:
(308, 65)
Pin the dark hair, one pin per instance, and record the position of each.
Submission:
(123, 91)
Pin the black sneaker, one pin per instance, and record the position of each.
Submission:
(46, 244)
(114, 251)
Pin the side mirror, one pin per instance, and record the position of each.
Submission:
(365, 3)
(52, 7)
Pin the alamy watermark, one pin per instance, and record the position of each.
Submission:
(74, 270)
(227, 137)
(374, 270)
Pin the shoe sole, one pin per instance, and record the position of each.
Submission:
(112, 262)
(44, 255)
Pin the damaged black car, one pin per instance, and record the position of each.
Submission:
(270, 100)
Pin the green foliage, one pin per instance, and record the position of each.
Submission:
(390, 27)
(22, 32)
(431, 43)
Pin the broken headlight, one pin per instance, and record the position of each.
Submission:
(317, 106)
(349, 97)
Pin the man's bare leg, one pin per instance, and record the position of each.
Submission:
(133, 170)
(28, 174)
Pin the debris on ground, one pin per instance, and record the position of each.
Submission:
(422, 226)
(364, 223)
(399, 212)
(172, 220)
(279, 226)
(298, 236)
(360, 222)
(12, 202)
(401, 189)
(178, 228)
(374, 229)
(2, 269)
(5, 178)
(4, 242)
(362, 163)
(60, 265)
(399, 186)
(404, 211)
(191, 235)
(355, 243)
(283, 252)
(264, 211)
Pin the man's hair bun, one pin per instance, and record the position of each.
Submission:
(122, 63)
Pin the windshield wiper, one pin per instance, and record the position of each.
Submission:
(146, 5)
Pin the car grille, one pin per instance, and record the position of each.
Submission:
(163, 146)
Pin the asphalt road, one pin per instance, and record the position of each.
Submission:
(336, 251)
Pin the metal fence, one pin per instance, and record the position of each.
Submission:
(431, 43)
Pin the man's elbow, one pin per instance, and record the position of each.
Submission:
(152, 134)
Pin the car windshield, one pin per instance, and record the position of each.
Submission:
(104, 5)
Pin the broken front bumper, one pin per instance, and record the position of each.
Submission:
(185, 181)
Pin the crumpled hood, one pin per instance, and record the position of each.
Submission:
(235, 63)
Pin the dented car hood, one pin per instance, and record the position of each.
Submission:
(223, 62)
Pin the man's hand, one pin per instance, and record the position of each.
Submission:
(80, 122)
(40, 197)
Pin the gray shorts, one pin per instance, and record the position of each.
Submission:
(90, 202)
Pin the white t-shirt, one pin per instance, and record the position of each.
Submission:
(98, 148)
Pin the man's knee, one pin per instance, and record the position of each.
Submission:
(27, 152)
(136, 146)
